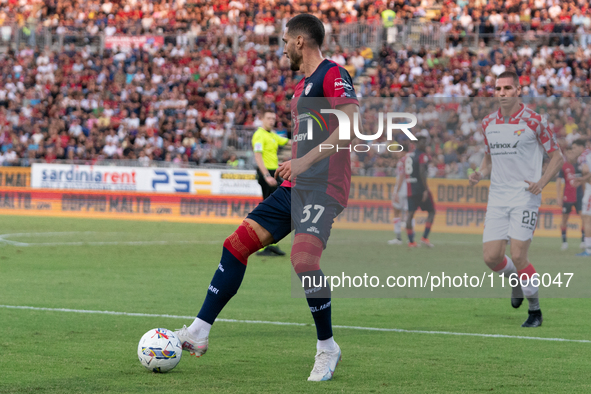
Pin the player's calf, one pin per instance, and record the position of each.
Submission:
(305, 258)
(224, 285)
(530, 290)
(496, 260)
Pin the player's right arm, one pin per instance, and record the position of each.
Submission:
(486, 165)
(485, 168)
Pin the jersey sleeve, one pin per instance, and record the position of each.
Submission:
(338, 87)
(280, 140)
(485, 123)
(257, 142)
(545, 136)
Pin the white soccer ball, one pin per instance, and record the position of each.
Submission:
(159, 350)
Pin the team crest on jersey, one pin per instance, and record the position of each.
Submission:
(308, 88)
(518, 132)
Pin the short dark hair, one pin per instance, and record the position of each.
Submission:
(510, 74)
(266, 111)
(307, 24)
(580, 142)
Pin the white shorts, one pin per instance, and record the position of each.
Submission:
(586, 203)
(510, 223)
(402, 204)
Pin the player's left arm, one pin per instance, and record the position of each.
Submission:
(550, 145)
(555, 164)
(585, 176)
(328, 147)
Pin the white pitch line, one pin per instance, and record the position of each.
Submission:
(276, 323)
(120, 243)
(3, 240)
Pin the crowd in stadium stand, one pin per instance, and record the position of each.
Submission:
(262, 16)
(181, 105)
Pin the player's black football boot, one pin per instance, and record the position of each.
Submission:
(534, 319)
(516, 296)
(276, 250)
(266, 253)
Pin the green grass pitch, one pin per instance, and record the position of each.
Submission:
(157, 268)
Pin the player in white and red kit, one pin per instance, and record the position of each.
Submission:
(516, 138)
(399, 201)
(569, 196)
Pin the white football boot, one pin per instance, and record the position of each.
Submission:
(195, 347)
(325, 364)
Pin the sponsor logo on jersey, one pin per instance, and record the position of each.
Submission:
(518, 132)
(498, 145)
(340, 84)
(308, 88)
(300, 137)
(317, 117)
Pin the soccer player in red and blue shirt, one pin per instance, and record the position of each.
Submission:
(419, 195)
(572, 194)
(315, 191)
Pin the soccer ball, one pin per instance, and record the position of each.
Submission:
(159, 350)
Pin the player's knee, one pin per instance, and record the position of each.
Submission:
(306, 252)
(243, 242)
(519, 259)
(492, 258)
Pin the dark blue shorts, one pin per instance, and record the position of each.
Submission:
(307, 211)
(416, 202)
(567, 207)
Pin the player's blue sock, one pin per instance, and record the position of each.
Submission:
(427, 230)
(228, 277)
(223, 286)
(582, 236)
(563, 230)
(318, 297)
(411, 235)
